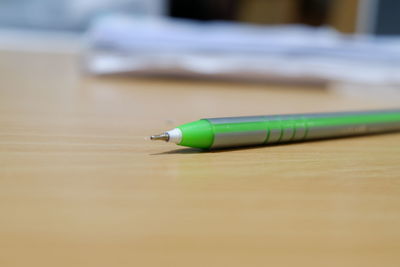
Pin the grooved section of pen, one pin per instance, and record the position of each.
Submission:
(274, 129)
(286, 129)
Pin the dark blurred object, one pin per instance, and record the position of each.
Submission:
(313, 12)
(387, 17)
(203, 9)
(344, 15)
(268, 12)
(341, 14)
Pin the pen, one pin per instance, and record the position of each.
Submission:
(265, 130)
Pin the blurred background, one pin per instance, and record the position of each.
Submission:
(349, 16)
(350, 41)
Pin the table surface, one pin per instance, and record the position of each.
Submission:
(79, 185)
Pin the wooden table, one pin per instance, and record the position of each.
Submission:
(79, 185)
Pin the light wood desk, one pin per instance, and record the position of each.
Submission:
(79, 185)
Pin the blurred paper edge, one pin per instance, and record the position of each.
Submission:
(225, 50)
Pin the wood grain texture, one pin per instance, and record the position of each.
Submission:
(79, 185)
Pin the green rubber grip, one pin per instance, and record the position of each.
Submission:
(259, 130)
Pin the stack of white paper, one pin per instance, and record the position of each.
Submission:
(120, 44)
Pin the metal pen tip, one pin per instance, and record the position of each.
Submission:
(163, 136)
